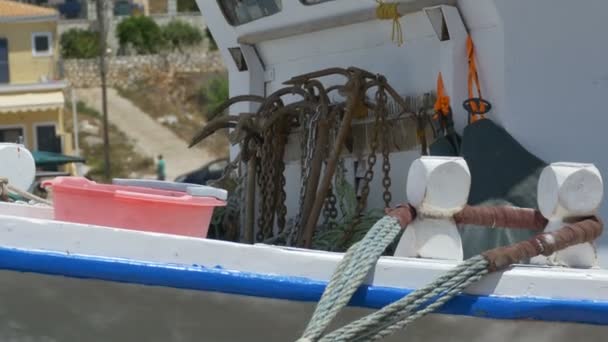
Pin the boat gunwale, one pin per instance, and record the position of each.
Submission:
(217, 279)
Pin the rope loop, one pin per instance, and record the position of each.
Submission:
(390, 11)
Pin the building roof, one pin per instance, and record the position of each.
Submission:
(17, 11)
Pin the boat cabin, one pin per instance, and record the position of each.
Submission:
(543, 91)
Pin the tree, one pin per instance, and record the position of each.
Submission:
(214, 94)
(187, 6)
(179, 34)
(78, 43)
(140, 33)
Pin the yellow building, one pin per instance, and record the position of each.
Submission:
(31, 96)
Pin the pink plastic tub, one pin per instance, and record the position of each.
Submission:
(139, 208)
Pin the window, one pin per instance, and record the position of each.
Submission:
(47, 139)
(4, 72)
(42, 44)
(11, 134)
(238, 12)
(313, 2)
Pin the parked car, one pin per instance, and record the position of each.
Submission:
(210, 171)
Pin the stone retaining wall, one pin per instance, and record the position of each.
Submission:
(125, 71)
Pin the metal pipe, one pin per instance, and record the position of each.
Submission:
(104, 95)
(75, 122)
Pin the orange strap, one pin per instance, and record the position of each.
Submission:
(442, 104)
(474, 77)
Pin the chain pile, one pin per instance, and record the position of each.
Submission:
(325, 127)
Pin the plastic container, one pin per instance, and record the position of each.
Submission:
(79, 200)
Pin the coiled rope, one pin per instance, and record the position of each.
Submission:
(390, 11)
(5, 188)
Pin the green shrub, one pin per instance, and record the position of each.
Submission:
(78, 43)
(179, 34)
(141, 33)
(334, 237)
(187, 6)
(214, 94)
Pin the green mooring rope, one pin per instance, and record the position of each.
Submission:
(351, 272)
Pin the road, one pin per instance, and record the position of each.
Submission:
(150, 137)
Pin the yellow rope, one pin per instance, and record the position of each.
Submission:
(390, 11)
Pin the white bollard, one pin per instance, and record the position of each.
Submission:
(567, 191)
(438, 187)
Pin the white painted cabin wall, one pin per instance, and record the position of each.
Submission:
(542, 64)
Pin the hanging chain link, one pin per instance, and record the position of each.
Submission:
(267, 171)
(381, 99)
(379, 113)
(371, 162)
(233, 212)
(304, 134)
(309, 124)
(330, 211)
(279, 151)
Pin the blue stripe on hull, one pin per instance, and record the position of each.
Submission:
(288, 288)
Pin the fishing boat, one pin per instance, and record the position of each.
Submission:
(497, 239)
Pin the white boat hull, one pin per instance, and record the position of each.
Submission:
(70, 282)
(36, 307)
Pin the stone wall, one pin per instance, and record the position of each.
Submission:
(126, 71)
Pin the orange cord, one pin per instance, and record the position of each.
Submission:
(474, 77)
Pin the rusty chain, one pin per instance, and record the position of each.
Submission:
(279, 150)
(330, 211)
(309, 128)
(369, 173)
(381, 100)
(269, 127)
(262, 176)
(371, 162)
(267, 171)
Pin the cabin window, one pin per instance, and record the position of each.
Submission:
(238, 12)
(313, 2)
(42, 44)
